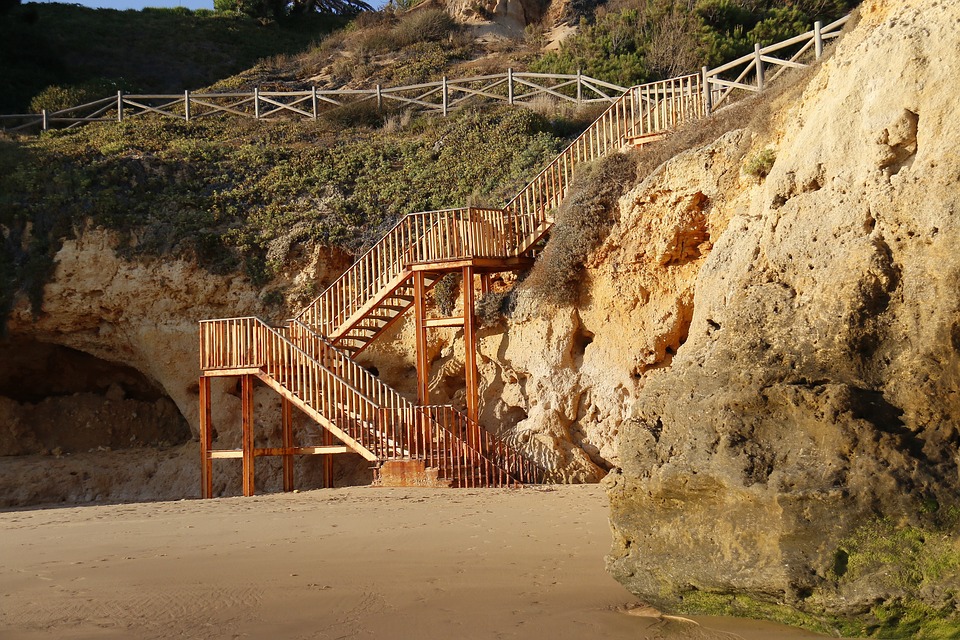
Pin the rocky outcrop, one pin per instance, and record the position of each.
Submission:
(818, 387)
(509, 18)
(110, 364)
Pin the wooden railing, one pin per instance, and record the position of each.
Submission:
(748, 73)
(752, 72)
(442, 97)
(249, 343)
(430, 236)
(650, 108)
(330, 384)
(497, 456)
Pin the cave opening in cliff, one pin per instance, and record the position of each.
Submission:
(54, 399)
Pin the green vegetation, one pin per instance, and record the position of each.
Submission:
(908, 574)
(445, 293)
(915, 572)
(759, 166)
(238, 194)
(745, 606)
(157, 50)
(493, 306)
(281, 9)
(634, 41)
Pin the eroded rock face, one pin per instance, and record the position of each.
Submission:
(112, 363)
(819, 385)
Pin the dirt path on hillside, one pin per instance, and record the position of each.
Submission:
(346, 563)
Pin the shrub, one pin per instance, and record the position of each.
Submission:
(759, 166)
(354, 114)
(59, 97)
(582, 223)
(494, 306)
(445, 293)
(424, 25)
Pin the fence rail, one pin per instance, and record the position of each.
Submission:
(748, 73)
(442, 96)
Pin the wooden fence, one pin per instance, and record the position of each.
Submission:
(439, 97)
(752, 72)
(749, 73)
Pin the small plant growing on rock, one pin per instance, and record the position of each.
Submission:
(493, 306)
(759, 166)
(445, 293)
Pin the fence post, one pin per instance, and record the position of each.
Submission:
(379, 98)
(313, 96)
(120, 105)
(256, 103)
(45, 123)
(445, 106)
(707, 106)
(186, 105)
(579, 87)
(759, 62)
(818, 38)
(509, 86)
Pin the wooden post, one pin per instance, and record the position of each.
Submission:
(246, 401)
(484, 284)
(759, 63)
(707, 98)
(445, 105)
(423, 364)
(206, 440)
(818, 38)
(579, 87)
(313, 95)
(286, 426)
(327, 461)
(470, 347)
(379, 98)
(509, 86)
(45, 122)
(256, 103)
(186, 105)
(120, 106)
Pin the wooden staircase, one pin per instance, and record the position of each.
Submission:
(309, 362)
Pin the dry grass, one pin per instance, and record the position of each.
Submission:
(493, 307)
(582, 223)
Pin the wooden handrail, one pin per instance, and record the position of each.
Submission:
(368, 411)
(446, 417)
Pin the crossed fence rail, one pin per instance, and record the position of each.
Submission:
(717, 86)
(441, 97)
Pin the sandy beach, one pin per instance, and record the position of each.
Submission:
(357, 562)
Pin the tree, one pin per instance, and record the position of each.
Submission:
(279, 9)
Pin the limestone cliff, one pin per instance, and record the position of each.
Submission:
(817, 388)
(767, 365)
(108, 372)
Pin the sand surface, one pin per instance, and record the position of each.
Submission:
(345, 563)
